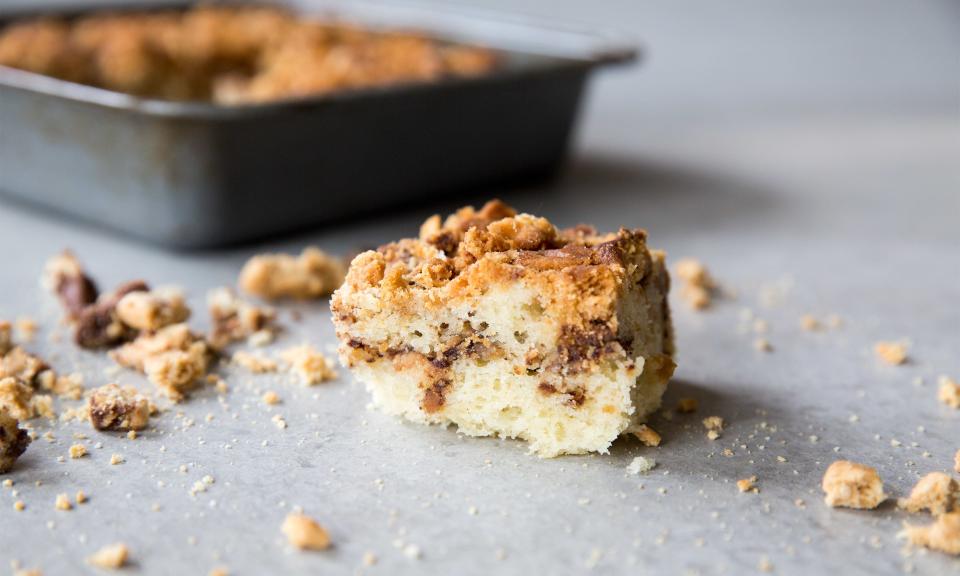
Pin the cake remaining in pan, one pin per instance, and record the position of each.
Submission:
(503, 325)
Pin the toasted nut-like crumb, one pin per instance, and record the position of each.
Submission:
(270, 397)
(114, 408)
(892, 353)
(809, 323)
(305, 533)
(310, 365)
(647, 435)
(936, 492)
(63, 502)
(112, 557)
(312, 274)
(748, 484)
(949, 392)
(687, 405)
(852, 485)
(942, 535)
(254, 363)
(78, 451)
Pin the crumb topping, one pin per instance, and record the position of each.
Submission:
(235, 319)
(173, 358)
(113, 407)
(309, 365)
(936, 492)
(943, 535)
(748, 484)
(698, 286)
(312, 274)
(851, 485)
(154, 309)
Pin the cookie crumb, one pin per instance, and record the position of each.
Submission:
(892, 353)
(851, 485)
(305, 533)
(19, 506)
(949, 392)
(118, 408)
(112, 557)
(63, 502)
(942, 535)
(936, 492)
(647, 435)
(81, 497)
(748, 484)
(14, 441)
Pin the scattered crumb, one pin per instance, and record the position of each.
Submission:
(714, 426)
(942, 535)
(892, 353)
(310, 365)
(698, 285)
(78, 451)
(63, 502)
(748, 484)
(81, 497)
(312, 274)
(235, 319)
(219, 571)
(648, 435)
(412, 551)
(641, 465)
(270, 397)
(687, 405)
(762, 345)
(369, 558)
(254, 362)
(305, 533)
(949, 392)
(118, 408)
(809, 323)
(154, 309)
(19, 506)
(936, 492)
(112, 557)
(956, 461)
(278, 421)
(14, 441)
(765, 565)
(851, 485)
(116, 459)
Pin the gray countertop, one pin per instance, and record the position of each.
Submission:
(843, 206)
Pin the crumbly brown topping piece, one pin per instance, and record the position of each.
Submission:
(943, 535)
(13, 440)
(892, 353)
(118, 408)
(851, 485)
(309, 365)
(936, 492)
(18, 398)
(65, 277)
(32, 370)
(647, 435)
(112, 557)
(312, 274)
(305, 533)
(948, 392)
(173, 358)
(153, 310)
(698, 286)
(235, 319)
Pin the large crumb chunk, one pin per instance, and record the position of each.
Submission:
(942, 535)
(698, 285)
(936, 492)
(173, 358)
(254, 362)
(112, 557)
(647, 435)
(310, 365)
(949, 392)
(235, 319)
(305, 533)
(851, 485)
(118, 408)
(312, 274)
(16, 398)
(65, 277)
(641, 465)
(13, 440)
(892, 353)
(154, 309)
(31, 369)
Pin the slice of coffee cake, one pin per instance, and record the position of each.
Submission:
(503, 325)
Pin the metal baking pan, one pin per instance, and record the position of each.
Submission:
(198, 175)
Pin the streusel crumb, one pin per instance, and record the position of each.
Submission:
(270, 397)
(312, 274)
(13, 440)
(647, 435)
(118, 408)
(714, 426)
(305, 533)
(63, 503)
(154, 309)
(235, 319)
(254, 362)
(309, 364)
(936, 492)
(112, 557)
(748, 484)
(892, 353)
(698, 286)
(78, 451)
(949, 392)
(173, 358)
(942, 535)
(851, 485)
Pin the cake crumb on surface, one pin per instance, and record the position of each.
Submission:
(942, 535)
(270, 397)
(62, 502)
(949, 391)
(81, 497)
(309, 364)
(312, 274)
(112, 557)
(809, 323)
(851, 485)
(113, 407)
(13, 442)
(154, 309)
(936, 492)
(714, 426)
(235, 319)
(78, 451)
(219, 571)
(116, 459)
(748, 484)
(698, 285)
(640, 465)
(305, 533)
(254, 362)
(892, 353)
(647, 435)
